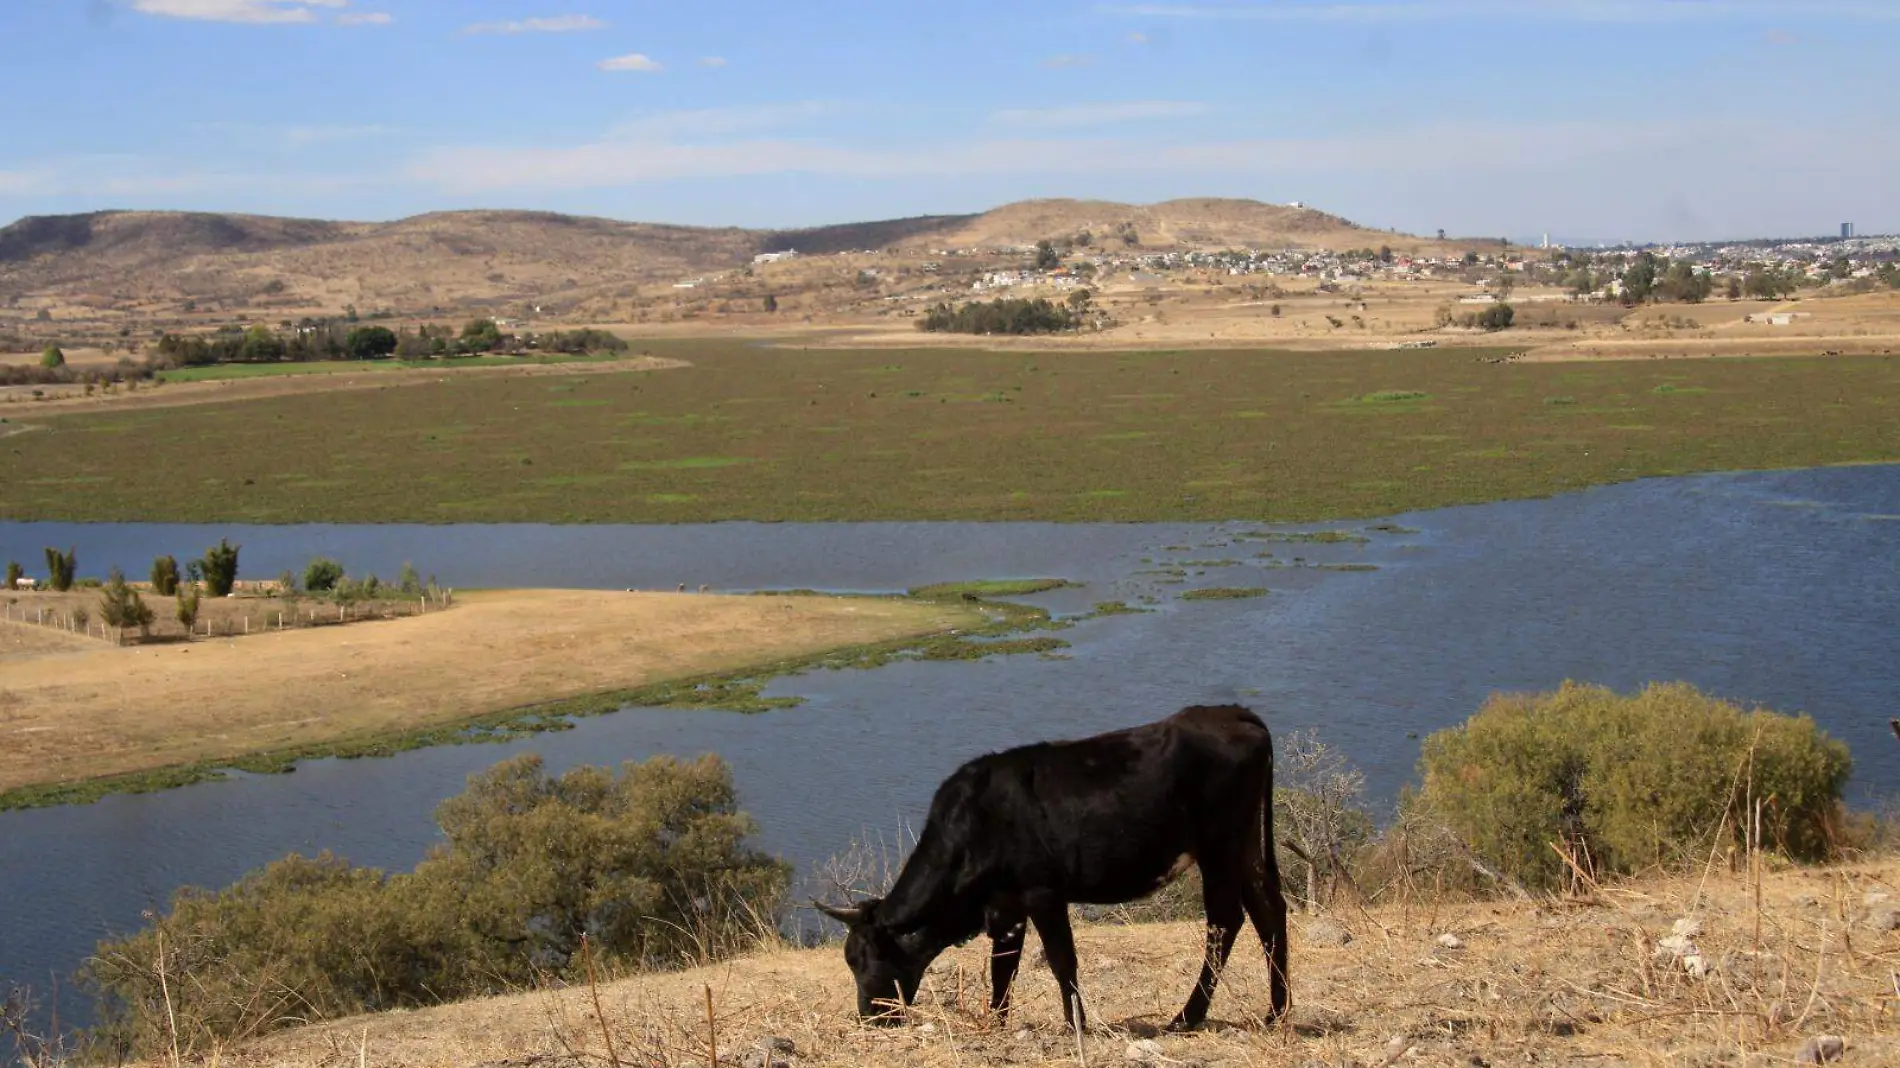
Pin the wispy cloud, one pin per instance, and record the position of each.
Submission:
(1066, 61)
(365, 18)
(549, 24)
(1604, 11)
(247, 11)
(634, 62)
(713, 61)
(703, 123)
(1098, 114)
(316, 135)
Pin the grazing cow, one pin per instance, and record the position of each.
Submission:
(1020, 835)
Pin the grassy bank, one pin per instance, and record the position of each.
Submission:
(1414, 982)
(226, 371)
(109, 720)
(780, 434)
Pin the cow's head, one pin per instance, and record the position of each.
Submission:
(888, 972)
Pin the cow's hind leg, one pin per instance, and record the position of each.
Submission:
(1058, 944)
(1006, 952)
(1220, 895)
(1266, 906)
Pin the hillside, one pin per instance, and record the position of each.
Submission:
(151, 265)
(1570, 981)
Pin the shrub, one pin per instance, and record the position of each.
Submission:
(165, 576)
(14, 574)
(60, 567)
(51, 358)
(1001, 316)
(1629, 782)
(322, 574)
(120, 606)
(221, 568)
(409, 582)
(1497, 317)
(188, 608)
(651, 863)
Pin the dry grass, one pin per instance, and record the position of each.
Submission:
(84, 710)
(1572, 982)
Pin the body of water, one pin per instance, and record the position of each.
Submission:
(1777, 588)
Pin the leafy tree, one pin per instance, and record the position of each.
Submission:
(221, 568)
(60, 568)
(1505, 284)
(120, 606)
(1080, 301)
(51, 357)
(260, 345)
(1497, 317)
(1629, 781)
(1582, 282)
(14, 574)
(322, 574)
(165, 576)
(1734, 288)
(187, 609)
(1639, 282)
(1385, 253)
(1001, 316)
(1047, 258)
(408, 581)
(480, 335)
(1682, 282)
(370, 342)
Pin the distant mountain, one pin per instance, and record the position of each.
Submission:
(138, 260)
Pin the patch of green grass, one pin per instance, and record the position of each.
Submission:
(1671, 387)
(1307, 537)
(685, 463)
(822, 451)
(1224, 593)
(1392, 396)
(991, 588)
(227, 371)
(1114, 608)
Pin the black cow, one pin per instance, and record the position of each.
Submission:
(1020, 835)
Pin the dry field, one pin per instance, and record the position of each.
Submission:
(18, 402)
(72, 709)
(1552, 982)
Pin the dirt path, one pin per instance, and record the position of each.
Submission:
(72, 709)
(16, 405)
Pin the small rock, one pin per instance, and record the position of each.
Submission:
(1327, 933)
(1687, 927)
(1450, 941)
(758, 1057)
(927, 1028)
(1882, 920)
(1697, 965)
(1821, 1049)
(1022, 1035)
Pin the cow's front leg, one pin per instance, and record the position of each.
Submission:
(1006, 931)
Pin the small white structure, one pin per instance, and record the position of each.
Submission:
(774, 257)
(26, 584)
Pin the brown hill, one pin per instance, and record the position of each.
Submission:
(143, 263)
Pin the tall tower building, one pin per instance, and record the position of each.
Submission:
(1847, 230)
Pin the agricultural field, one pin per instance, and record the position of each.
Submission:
(749, 431)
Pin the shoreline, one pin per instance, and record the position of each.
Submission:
(937, 625)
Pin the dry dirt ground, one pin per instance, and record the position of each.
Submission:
(1552, 982)
(73, 709)
(16, 402)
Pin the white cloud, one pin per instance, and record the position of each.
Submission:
(549, 24)
(634, 61)
(1067, 60)
(248, 11)
(1604, 11)
(1098, 114)
(365, 18)
(713, 61)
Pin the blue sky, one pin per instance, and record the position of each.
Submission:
(1598, 119)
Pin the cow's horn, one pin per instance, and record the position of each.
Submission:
(843, 914)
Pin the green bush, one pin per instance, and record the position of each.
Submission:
(1497, 317)
(221, 568)
(165, 576)
(60, 568)
(187, 608)
(120, 606)
(651, 863)
(51, 357)
(14, 574)
(1626, 782)
(322, 574)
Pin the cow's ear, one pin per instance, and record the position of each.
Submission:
(849, 915)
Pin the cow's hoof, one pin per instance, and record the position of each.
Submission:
(1178, 1026)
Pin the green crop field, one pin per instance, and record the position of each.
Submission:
(784, 434)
